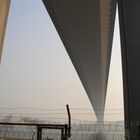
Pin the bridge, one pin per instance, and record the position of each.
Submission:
(86, 30)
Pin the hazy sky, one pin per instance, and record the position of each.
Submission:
(36, 70)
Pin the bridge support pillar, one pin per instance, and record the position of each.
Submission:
(129, 16)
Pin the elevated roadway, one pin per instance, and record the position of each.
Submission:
(86, 30)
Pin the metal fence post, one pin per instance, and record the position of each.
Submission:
(62, 134)
(69, 121)
(39, 133)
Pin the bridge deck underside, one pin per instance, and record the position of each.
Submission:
(86, 30)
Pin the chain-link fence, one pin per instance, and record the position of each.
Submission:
(23, 132)
(98, 131)
(17, 132)
(80, 131)
(49, 134)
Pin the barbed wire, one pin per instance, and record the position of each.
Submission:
(5, 113)
(41, 109)
(57, 114)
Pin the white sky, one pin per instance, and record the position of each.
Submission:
(36, 71)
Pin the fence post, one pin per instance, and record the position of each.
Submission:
(66, 132)
(69, 121)
(62, 134)
(39, 132)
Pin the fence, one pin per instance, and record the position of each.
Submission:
(31, 131)
(80, 131)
